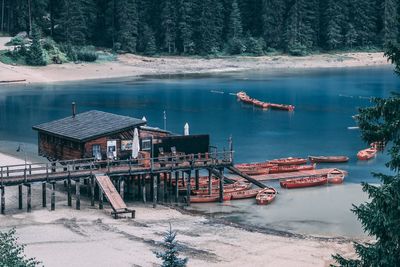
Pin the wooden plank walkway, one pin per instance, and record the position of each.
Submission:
(292, 175)
(111, 193)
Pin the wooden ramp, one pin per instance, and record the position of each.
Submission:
(117, 203)
(247, 177)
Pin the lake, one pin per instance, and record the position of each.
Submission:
(325, 102)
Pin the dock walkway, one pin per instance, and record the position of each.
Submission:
(293, 175)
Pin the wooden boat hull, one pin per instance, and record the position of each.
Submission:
(266, 196)
(366, 154)
(227, 189)
(288, 161)
(336, 177)
(329, 159)
(208, 199)
(244, 194)
(304, 182)
(291, 168)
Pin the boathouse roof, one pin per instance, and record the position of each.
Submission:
(89, 125)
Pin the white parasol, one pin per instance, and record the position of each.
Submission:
(135, 144)
(186, 129)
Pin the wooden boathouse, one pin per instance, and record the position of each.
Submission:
(92, 149)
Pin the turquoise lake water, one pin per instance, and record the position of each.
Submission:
(325, 102)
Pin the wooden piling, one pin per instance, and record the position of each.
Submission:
(165, 187)
(144, 188)
(69, 194)
(176, 187)
(44, 204)
(221, 186)
(209, 181)
(53, 196)
(155, 190)
(139, 185)
(3, 200)
(29, 198)
(78, 194)
(197, 178)
(20, 196)
(122, 188)
(158, 187)
(189, 188)
(92, 186)
(101, 198)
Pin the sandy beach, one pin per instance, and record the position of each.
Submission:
(130, 65)
(68, 237)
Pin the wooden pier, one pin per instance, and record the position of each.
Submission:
(133, 179)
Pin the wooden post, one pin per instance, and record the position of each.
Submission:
(92, 186)
(69, 194)
(44, 204)
(221, 186)
(165, 187)
(209, 181)
(158, 187)
(20, 196)
(122, 188)
(176, 187)
(155, 190)
(197, 178)
(29, 198)
(3, 201)
(101, 196)
(144, 188)
(53, 196)
(139, 184)
(189, 188)
(78, 194)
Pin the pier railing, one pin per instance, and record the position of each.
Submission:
(85, 167)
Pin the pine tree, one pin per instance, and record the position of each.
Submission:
(390, 21)
(185, 25)
(381, 215)
(149, 41)
(351, 36)
(36, 55)
(127, 33)
(363, 18)
(12, 253)
(273, 20)
(335, 17)
(235, 25)
(170, 256)
(168, 23)
(72, 21)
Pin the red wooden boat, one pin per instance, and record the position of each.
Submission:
(208, 199)
(328, 159)
(291, 168)
(366, 154)
(336, 177)
(264, 164)
(244, 194)
(254, 171)
(281, 107)
(266, 196)
(304, 182)
(227, 189)
(288, 161)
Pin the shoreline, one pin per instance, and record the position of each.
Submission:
(135, 66)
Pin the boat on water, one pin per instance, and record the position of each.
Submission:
(254, 171)
(244, 194)
(264, 164)
(304, 182)
(328, 159)
(336, 176)
(281, 107)
(208, 198)
(288, 161)
(242, 96)
(266, 196)
(367, 154)
(227, 189)
(290, 168)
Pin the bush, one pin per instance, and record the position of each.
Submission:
(236, 46)
(255, 46)
(86, 54)
(53, 52)
(297, 50)
(17, 40)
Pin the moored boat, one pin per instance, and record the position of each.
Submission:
(290, 168)
(328, 159)
(264, 164)
(281, 107)
(255, 171)
(366, 154)
(288, 161)
(336, 176)
(227, 189)
(208, 198)
(266, 196)
(244, 194)
(304, 182)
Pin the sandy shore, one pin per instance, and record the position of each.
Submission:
(132, 65)
(67, 237)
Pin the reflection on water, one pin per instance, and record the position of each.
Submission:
(325, 102)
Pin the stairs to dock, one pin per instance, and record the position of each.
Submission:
(114, 198)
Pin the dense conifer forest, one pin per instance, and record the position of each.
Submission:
(207, 27)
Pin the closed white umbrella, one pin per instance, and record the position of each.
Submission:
(186, 129)
(135, 144)
(144, 119)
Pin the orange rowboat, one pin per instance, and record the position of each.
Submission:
(255, 171)
(290, 168)
(304, 182)
(244, 194)
(208, 199)
(227, 189)
(336, 177)
(288, 161)
(265, 164)
(266, 196)
(281, 107)
(367, 154)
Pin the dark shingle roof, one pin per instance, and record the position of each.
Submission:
(89, 125)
